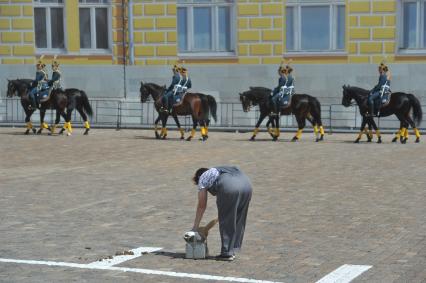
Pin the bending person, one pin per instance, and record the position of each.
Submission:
(233, 191)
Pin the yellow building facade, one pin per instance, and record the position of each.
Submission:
(365, 31)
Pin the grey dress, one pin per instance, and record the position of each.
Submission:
(233, 192)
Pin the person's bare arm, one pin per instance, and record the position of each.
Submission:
(201, 207)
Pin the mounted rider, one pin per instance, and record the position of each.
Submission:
(282, 93)
(39, 85)
(381, 89)
(55, 82)
(185, 84)
(167, 99)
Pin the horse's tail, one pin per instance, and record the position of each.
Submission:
(86, 104)
(212, 105)
(316, 111)
(417, 109)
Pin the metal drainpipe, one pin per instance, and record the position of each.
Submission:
(130, 32)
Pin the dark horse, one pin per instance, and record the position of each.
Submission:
(400, 104)
(198, 105)
(303, 106)
(63, 101)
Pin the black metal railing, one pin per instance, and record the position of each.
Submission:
(116, 113)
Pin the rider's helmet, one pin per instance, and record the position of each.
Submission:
(383, 66)
(55, 63)
(175, 68)
(288, 66)
(182, 70)
(40, 65)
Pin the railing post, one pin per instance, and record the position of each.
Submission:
(329, 118)
(118, 116)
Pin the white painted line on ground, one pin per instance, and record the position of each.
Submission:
(344, 274)
(136, 270)
(122, 258)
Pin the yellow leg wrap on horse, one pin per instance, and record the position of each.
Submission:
(202, 131)
(29, 125)
(378, 133)
(403, 132)
(192, 133)
(406, 133)
(255, 131)
(87, 125)
(315, 130)
(360, 135)
(398, 133)
(416, 132)
(322, 130)
(162, 132)
(165, 132)
(44, 125)
(277, 132)
(271, 131)
(53, 128)
(69, 127)
(182, 132)
(66, 125)
(370, 133)
(299, 133)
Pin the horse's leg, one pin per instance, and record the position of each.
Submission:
(271, 130)
(194, 127)
(43, 125)
(182, 132)
(369, 132)
(86, 122)
(259, 121)
(301, 122)
(361, 130)
(413, 125)
(163, 133)
(277, 127)
(203, 126)
(64, 115)
(157, 136)
(67, 124)
(372, 124)
(55, 125)
(28, 114)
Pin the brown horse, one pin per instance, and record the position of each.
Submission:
(197, 105)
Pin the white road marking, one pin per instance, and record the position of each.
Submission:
(344, 274)
(136, 270)
(122, 258)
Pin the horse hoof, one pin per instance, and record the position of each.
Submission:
(404, 141)
(188, 138)
(157, 136)
(164, 137)
(61, 131)
(86, 132)
(27, 132)
(317, 140)
(322, 138)
(417, 140)
(252, 138)
(182, 137)
(394, 139)
(379, 140)
(369, 140)
(34, 131)
(294, 139)
(356, 141)
(39, 131)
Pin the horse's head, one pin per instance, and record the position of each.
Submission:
(144, 93)
(347, 96)
(246, 102)
(11, 88)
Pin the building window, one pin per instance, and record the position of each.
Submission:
(206, 26)
(315, 27)
(412, 37)
(94, 24)
(49, 24)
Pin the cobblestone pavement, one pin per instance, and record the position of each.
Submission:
(315, 206)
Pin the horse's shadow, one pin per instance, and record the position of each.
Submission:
(154, 138)
(177, 255)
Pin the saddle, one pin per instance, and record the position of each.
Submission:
(286, 96)
(45, 95)
(178, 99)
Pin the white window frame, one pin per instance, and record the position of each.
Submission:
(333, 5)
(92, 7)
(47, 7)
(420, 34)
(189, 5)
